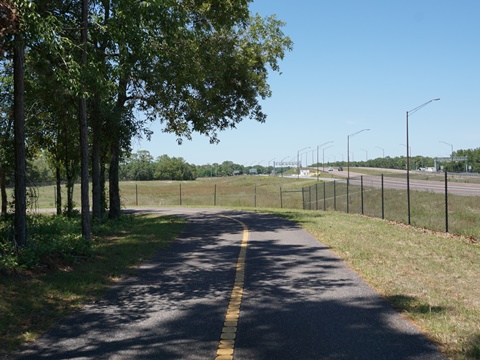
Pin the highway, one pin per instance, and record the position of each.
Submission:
(435, 186)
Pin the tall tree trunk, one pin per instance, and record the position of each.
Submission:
(96, 153)
(6, 143)
(70, 185)
(98, 166)
(86, 230)
(59, 190)
(114, 188)
(103, 193)
(3, 190)
(71, 174)
(19, 134)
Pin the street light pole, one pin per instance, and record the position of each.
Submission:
(298, 161)
(348, 152)
(318, 146)
(323, 156)
(348, 159)
(273, 164)
(407, 146)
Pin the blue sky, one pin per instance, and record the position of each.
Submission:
(358, 65)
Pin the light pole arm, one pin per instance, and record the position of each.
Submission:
(421, 106)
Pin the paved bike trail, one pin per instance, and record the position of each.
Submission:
(297, 301)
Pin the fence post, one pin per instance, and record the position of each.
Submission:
(348, 183)
(255, 197)
(303, 198)
(55, 195)
(446, 202)
(309, 198)
(136, 194)
(335, 195)
(324, 197)
(281, 198)
(361, 190)
(215, 195)
(316, 195)
(383, 200)
(180, 194)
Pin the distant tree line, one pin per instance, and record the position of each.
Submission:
(142, 166)
(418, 162)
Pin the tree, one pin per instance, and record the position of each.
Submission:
(82, 119)
(20, 225)
(173, 169)
(30, 31)
(138, 167)
(6, 129)
(195, 68)
(473, 156)
(141, 166)
(53, 126)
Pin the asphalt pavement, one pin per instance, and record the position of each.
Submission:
(286, 297)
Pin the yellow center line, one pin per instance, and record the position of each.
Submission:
(229, 331)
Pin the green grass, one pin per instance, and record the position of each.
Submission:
(33, 300)
(431, 278)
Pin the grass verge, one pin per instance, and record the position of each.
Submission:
(32, 301)
(431, 278)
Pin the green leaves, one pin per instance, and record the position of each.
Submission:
(196, 66)
(140, 166)
(215, 76)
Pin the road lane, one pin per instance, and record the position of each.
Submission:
(436, 186)
(302, 302)
(456, 188)
(174, 309)
(298, 301)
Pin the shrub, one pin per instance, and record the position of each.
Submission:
(51, 240)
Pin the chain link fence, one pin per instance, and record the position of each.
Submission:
(439, 209)
(191, 194)
(377, 196)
